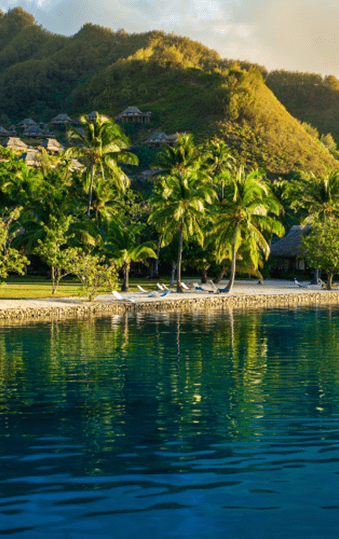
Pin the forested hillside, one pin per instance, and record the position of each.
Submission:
(185, 85)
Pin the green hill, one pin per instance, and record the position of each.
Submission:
(185, 85)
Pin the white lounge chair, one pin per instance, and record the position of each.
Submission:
(160, 287)
(185, 287)
(121, 298)
(141, 289)
(300, 285)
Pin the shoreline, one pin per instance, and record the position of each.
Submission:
(245, 295)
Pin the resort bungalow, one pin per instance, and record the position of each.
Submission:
(27, 122)
(288, 250)
(3, 132)
(133, 114)
(52, 145)
(33, 131)
(14, 143)
(157, 139)
(62, 119)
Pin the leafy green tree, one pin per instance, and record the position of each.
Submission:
(246, 215)
(179, 205)
(124, 246)
(101, 145)
(315, 198)
(321, 247)
(11, 260)
(94, 274)
(53, 250)
(182, 155)
(221, 162)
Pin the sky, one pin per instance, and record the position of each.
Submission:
(298, 35)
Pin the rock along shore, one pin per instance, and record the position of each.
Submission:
(246, 294)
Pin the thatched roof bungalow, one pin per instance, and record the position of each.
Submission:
(288, 250)
(161, 138)
(52, 145)
(27, 122)
(3, 132)
(133, 114)
(14, 143)
(31, 158)
(33, 131)
(62, 119)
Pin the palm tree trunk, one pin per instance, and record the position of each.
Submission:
(173, 272)
(156, 263)
(181, 236)
(125, 283)
(221, 274)
(205, 269)
(90, 191)
(234, 257)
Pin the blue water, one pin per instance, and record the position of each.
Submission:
(206, 425)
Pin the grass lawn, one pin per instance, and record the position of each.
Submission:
(22, 287)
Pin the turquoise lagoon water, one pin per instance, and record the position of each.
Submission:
(206, 425)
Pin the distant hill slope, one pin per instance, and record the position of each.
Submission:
(185, 85)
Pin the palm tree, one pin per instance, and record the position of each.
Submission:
(221, 163)
(316, 197)
(123, 244)
(246, 214)
(101, 144)
(178, 207)
(184, 154)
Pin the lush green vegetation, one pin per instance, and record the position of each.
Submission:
(186, 86)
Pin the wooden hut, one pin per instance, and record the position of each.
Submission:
(157, 139)
(27, 122)
(62, 119)
(12, 131)
(33, 131)
(93, 116)
(52, 145)
(288, 250)
(14, 143)
(3, 132)
(31, 158)
(133, 114)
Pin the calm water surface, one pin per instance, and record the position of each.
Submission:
(214, 425)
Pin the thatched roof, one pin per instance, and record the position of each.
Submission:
(62, 119)
(3, 132)
(31, 158)
(14, 143)
(290, 245)
(52, 145)
(133, 112)
(93, 116)
(33, 131)
(157, 138)
(12, 130)
(27, 122)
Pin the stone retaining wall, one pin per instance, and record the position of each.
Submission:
(185, 304)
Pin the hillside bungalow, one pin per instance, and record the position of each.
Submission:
(33, 131)
(161, 138)
(27, 122)
(31, 158)
(52, 145)
(288, 250)
(133, 114)
(14, 143)
(3, 132)
(12, 131)
(62, 119)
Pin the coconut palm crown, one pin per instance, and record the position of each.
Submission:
(101, 145)
(246, 218)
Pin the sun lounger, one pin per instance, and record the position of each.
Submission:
(141, 289)
(160, 287)
(120, 297)
(185, 287)
(221, 290)
(300, 285)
